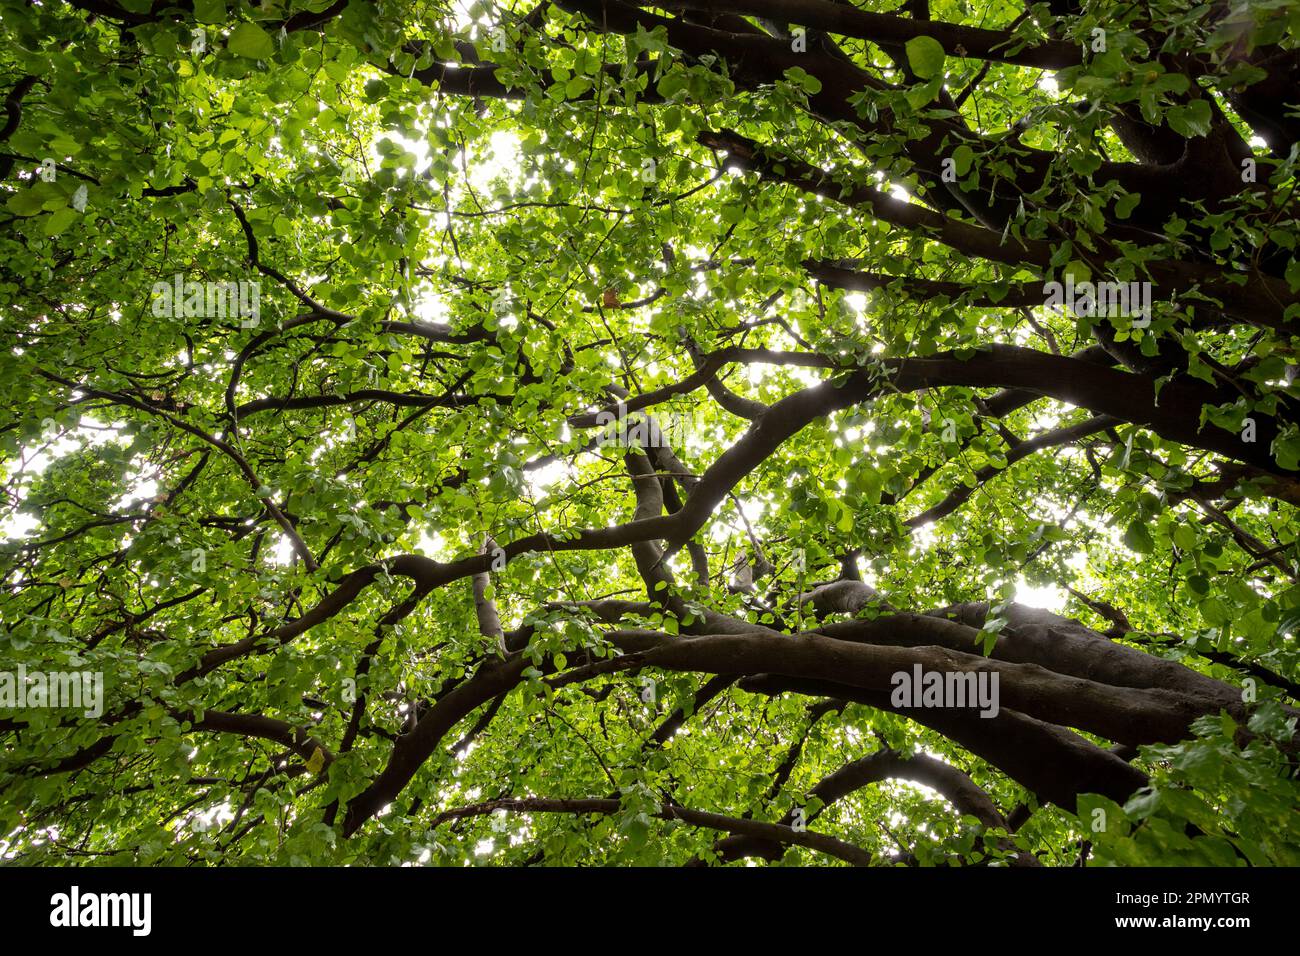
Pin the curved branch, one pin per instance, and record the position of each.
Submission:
(700, 818)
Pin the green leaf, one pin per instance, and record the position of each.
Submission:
(845, 520)
(250, 40)
(26, 202)
(210, 11)
(925, 55)
(1125, 205)
(1292, 274)
(1138, 537)
(809, 83)
(60, 220)
(1192, 119)
(316, 762)
(961, 159)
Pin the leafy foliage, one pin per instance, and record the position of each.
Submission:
(1240, 799)
(331, 330)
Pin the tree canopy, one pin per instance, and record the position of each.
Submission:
(540, 433)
